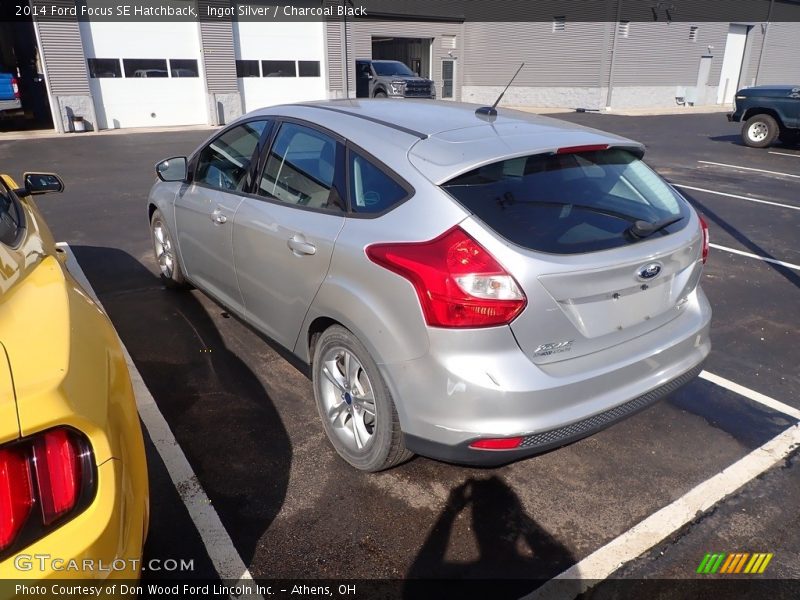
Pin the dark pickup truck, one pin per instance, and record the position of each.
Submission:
(769, 112)
(9, 93)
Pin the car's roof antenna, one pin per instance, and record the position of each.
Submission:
(491, 111)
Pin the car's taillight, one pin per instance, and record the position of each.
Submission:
(15, 88)
(58, 473)
(704, 227)
(16, 494)
(459, 284)
(44, 479)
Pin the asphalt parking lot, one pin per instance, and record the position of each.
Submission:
(246, 422)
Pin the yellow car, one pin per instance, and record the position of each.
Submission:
(73, 475)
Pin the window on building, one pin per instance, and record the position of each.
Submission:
(372, 190)
(624, 28)
(694, 31)
(308, 68)
(247, 68)
(225, 162)
(104, 67)
(179, 67)
(145, 67)
(448, 74)
(300, 168)
(278, 68)
(559, 24)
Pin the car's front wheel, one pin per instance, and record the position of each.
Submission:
(380, 94)
(164, 249)
(355, 406)
(760, 131)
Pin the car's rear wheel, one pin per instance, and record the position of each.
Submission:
(355, 406)
(380, 94)
(164, 249)
(760, 131)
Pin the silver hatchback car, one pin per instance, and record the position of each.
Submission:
(474, 288)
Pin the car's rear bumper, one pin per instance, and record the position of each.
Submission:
(480, 385)
(10, 104)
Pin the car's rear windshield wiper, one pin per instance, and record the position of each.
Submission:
(643, 229)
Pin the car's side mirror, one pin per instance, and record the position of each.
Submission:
(369, 76)
(172, 169)
(42, 183)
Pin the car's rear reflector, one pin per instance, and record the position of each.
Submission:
(16, 493)
(497, 443)
(586, 148)
(15, 88)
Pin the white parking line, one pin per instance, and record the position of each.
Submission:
(737, 196)
(784, 153)
(716, 164)
(751, 394)
(601, 563)
(773, 261)
(220, 548)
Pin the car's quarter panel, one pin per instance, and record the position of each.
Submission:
(81, 379)
(277, 283)
(9, 425)
(205, 240)
(379, 306)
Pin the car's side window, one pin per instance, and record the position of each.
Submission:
(12, 219)
(371, 189)
(224, 163)
(300, 168)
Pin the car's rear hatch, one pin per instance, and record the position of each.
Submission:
(565, 229)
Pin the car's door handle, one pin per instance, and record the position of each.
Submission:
(299, 245)
(218, 217)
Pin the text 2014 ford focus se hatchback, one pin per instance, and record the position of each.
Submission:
(469, 288)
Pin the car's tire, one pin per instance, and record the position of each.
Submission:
(380, 94)
(760, 131)
(354, 404)
(164, 249)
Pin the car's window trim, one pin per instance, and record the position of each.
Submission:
(194, 158)
(337, 185)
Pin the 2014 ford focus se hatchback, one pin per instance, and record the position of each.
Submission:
(467, 287)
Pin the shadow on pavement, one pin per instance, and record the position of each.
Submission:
(514, 552)
(218, 410)
(786, 272)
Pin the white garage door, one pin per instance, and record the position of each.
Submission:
(279, 62)
(145, 74)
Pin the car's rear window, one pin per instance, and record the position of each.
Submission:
(570, 203)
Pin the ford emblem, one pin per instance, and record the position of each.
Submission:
(649, 271)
